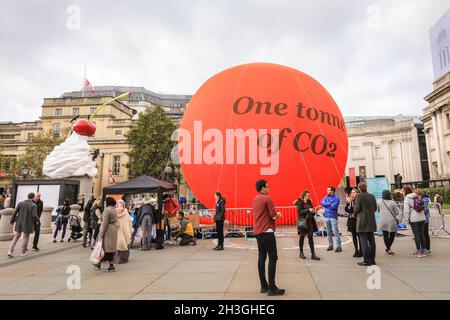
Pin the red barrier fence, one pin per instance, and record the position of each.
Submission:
(244, 216)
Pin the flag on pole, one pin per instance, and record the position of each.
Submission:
(113, 180)
(87, 84)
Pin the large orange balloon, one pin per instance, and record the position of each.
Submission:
(311, 145)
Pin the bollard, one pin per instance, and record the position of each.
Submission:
(46, 220)
(6, 228)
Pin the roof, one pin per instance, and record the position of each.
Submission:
(137, 94)
(141, 184)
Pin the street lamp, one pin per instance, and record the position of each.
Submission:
(25, 171)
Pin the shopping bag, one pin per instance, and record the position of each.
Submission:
(98, 253)
(139, 233)
(154, 232)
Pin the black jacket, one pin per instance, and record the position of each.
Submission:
(220, 211)
(64, 212)
(40, 207)
(365, 207)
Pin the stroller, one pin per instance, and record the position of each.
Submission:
(75, 226)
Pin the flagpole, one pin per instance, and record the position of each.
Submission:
(84, 82)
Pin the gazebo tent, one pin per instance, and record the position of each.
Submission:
(141, 184)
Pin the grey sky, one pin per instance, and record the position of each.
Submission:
(174, 46)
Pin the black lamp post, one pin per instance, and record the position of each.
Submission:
(25, 171)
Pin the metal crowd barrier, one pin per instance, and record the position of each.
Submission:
(437, 218)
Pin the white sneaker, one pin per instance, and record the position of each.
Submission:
(10, 255)
(24, 254)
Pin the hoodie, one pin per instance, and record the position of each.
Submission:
(412, 215)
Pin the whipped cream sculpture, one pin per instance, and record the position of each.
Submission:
(73, 157)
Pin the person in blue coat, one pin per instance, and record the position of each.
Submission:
(331, 204)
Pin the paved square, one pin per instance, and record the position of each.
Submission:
(200, 273)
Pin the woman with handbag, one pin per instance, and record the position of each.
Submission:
(389, 218)
(306, 225)
(124, 229)
(351, 223)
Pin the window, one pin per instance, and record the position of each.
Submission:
(58, 112)
(76, 111)
(377, 152)
(30, 136)
(57, 129)
(444, 57)
(356, 153)
(116, 165)
(93, 109)
(118, 133)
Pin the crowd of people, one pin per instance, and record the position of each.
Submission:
(361, 207)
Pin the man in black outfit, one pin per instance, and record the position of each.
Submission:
(87, 230)
(37, 227)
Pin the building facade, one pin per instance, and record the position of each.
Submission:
(112, 123)
(387, 146)
(378, 146)
(436, 116)
(140, 99)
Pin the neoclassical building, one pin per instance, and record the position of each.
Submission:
(386, 146)
(436, 116)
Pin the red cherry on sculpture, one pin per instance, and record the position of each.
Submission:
(84, 127)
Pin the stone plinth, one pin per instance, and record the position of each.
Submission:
(86, 186)
(6, 229)
(46, 220)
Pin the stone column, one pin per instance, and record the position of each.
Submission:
(438, 145)
(6, 229)
(370, 170)
(442, 131)
(430, 161)
(46, 220)
(387, 150)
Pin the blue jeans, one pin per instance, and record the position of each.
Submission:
(60, 224)
(332, 227)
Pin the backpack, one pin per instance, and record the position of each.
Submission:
(418, 204)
